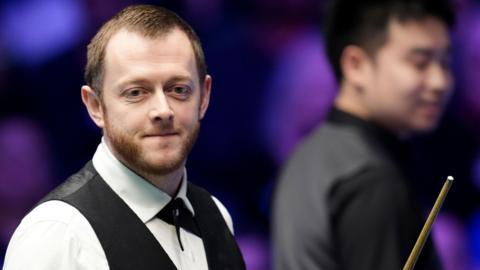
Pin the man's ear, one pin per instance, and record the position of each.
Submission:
(93, 104)
(356, 65)
(205, 95)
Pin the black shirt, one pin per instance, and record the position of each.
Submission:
(353, 208)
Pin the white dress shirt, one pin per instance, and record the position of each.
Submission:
(55, 235)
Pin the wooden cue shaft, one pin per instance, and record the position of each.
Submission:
(412, 259)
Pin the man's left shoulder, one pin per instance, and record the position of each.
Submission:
(225, 214)
(202, 199)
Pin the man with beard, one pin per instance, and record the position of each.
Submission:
(345, 200)
(132, 207)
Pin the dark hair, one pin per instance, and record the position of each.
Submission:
(364, 23)
(148, 20)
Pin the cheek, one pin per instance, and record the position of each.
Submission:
(187, 115)
(126, 120)
(187, 110)
(403, 82)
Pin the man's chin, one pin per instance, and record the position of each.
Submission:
(163, 163)
(425, 127)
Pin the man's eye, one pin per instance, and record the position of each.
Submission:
(180, 91)
(134, 93)
(421, 65)
(421, 61)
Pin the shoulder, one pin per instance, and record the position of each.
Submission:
(201, 198)
(53, 212)
(225, 214)
(54, 233)
(331, 148)
(73, 183)
(332, 134)
(330, 153)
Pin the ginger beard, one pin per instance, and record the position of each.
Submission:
(133, 155)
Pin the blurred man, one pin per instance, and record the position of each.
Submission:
(344, 200)
(132, 207)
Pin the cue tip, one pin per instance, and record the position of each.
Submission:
(450, 178)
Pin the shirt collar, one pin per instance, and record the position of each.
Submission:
(379, 136)
(139, 194)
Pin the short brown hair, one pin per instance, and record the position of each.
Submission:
(148, 20)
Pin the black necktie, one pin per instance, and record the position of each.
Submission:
(176, 214)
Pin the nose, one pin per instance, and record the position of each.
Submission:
(439, 78)
(160, 109)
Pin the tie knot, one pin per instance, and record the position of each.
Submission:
(178, 206)
(173, 209)
(175, 213)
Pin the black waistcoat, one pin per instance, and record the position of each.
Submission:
(127, 242)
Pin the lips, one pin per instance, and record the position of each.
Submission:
(162, 134)
(433, 109)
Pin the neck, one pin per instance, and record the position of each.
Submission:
(349, 100)
(168, 183)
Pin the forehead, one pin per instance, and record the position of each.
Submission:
(426, 33)
(127, 48)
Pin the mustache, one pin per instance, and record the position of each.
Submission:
(162, 130)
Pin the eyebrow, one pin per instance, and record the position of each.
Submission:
(429, 52)
(180, 78)
(143, 81)
(135, 81)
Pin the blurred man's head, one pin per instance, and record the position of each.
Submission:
(392, 60)
(148, 88)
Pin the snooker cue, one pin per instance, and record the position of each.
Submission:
(422, 238)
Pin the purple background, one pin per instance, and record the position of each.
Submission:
(271, 86)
